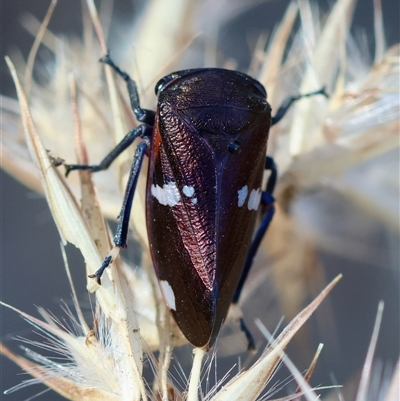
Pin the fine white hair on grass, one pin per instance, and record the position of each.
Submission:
(212, 364)
(306, 390)
(365, 381)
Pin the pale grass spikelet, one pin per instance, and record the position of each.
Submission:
(321, 143)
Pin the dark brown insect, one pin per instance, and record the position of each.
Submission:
(207, 145)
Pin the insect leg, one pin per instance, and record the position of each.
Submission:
(122, 229)
(142, 115)
(105, 163)
(267, 198)
(288, 102)
(268, 201)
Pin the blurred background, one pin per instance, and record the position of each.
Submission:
(32, 271)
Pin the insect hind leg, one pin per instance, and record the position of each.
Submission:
(267, 201)
(123, 224)
(143, 131)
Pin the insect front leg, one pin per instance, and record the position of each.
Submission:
(123, 224)
(142, 115)
(290, 100)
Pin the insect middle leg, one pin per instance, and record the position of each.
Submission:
(142, 131)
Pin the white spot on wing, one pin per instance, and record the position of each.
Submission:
(188, 191)
(166, 195)
(168, 294)
(254, 199)
(242, 195)
(194, 201)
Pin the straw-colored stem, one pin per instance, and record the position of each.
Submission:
(194, 380)
(164, 372)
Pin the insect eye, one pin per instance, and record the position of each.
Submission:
(162, 83)
(261, 88)
(234, 147)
